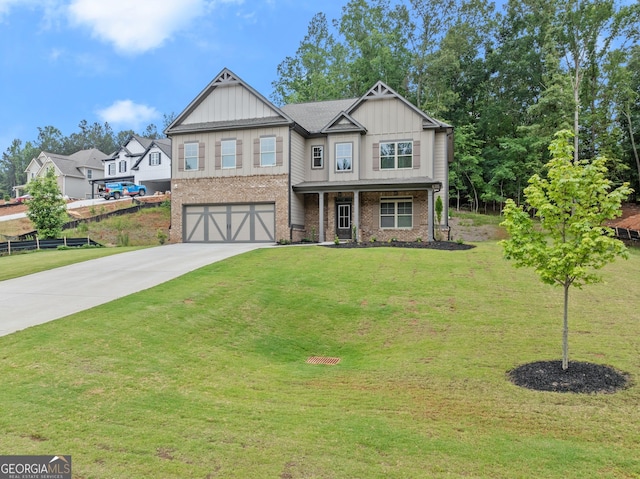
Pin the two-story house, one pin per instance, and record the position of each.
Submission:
(248, 171)
(141, 160)
(74, 172)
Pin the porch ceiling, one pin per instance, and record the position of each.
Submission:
(390, 184)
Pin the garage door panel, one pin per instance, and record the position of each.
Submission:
(244, 223)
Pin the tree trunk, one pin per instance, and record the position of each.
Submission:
(627, 114)
(565, 327)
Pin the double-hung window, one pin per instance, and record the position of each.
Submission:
(154, 158)
(344, 156)
(268, 151)
(191, 156)
(396, 213)
(122, 166)
(317, 157)
(111, 169)
(228, 153)
(396, 155)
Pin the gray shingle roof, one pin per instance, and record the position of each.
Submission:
(314, 116)
(69, 165)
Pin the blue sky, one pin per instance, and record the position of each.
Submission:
(128, 62)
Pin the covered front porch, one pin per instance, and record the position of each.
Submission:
(366, 210)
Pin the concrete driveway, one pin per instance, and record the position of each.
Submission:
(53, 294)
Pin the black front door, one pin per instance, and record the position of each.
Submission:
(343, 220)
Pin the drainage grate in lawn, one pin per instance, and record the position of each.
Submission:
(322, 360)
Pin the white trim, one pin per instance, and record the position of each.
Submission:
(395, 154)
(395, 200)
(335, 164)
(222, 153)
(313, 157)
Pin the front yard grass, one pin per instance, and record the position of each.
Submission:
(205, 375)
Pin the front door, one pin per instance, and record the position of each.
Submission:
(343, 221)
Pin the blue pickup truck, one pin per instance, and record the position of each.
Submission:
(121, 188)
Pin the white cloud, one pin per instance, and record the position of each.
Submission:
(126, 113)
(135, 26)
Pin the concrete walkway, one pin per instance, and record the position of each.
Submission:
(42, 297)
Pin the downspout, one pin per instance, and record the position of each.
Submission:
(445, 185)
(290, 192)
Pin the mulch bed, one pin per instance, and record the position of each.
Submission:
(441, 245)
(579, 377)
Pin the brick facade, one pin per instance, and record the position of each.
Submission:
(229, 190)
(369, 216)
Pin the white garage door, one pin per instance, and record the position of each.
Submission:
(243, 223)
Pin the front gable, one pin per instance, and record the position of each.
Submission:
(226, 103)
(384, 93)
(344, 123)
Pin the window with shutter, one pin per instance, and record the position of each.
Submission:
(268, 151)
(191, 156)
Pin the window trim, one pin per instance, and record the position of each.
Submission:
(396, 155)
(395, 201)
(187, 145)
(234, 155)
(350, 169)
(264, 152)
(157, 155)
(319, 148)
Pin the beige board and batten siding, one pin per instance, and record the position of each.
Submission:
(391, 120)
(245, 143)
(297, 174)
(229, 102)
(330, 157)
(316, 174)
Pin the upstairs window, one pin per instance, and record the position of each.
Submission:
(396, 155)
(122, 166)
(89, 174)
(344, 156)
(154, 158)
(191, 156)
(111, 169)
(228, 151)
(268, 151)
(317, 157)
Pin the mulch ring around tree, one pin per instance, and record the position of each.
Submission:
(441, 245)
(579, 377)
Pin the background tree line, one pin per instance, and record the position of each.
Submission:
(18, 155)
(507, 79)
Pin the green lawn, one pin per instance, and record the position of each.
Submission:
(205, 376)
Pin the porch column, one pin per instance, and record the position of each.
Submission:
(356, 214)
(321, 237)
(430, 215)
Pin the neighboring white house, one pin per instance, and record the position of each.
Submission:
(143, 161)
(74, 172)
(153, 168)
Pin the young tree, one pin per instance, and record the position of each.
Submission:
(47, 209)
(572, 204)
